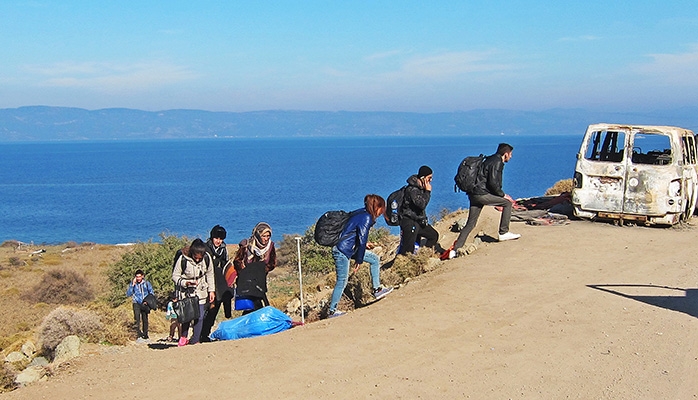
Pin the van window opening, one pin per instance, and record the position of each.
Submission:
(603, 146)
(651, 149)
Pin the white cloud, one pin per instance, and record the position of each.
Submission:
(675, 69)
(384, 55)
(582, 38)
(110, 78)
(446, 66)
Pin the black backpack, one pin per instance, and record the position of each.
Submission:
(329, 227)
(394, 204)
(468, 170)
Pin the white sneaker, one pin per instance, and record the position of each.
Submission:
(509, 236)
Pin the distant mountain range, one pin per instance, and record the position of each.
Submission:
(41, 123)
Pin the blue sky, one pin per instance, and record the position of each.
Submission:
(349, 55)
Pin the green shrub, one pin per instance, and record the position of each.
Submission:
(155, 259)
(315, 259)
(63, 322)
(62, 286)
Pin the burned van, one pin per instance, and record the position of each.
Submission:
(645, 174)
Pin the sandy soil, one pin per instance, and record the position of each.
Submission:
(582, 311)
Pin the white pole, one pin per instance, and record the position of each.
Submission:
(300, 278)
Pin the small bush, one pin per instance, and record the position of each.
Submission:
(61, 287)
(315, 259)
(65, 321)
(118, 323)
(16, 261)
(7, 378)
(563, 186)
(155, 259)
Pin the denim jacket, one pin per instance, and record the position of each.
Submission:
(138, 291)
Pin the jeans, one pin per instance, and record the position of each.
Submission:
(341, 264)
(476, 204)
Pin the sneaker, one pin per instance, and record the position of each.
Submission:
(183, 341)
(509, 236)
(336, 313)
(448, 254)
(379, 293)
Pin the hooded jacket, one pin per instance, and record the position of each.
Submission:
(414, 203)
(354, 237)
(200, 274)
(489, 179)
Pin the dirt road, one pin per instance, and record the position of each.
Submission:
(582, 311)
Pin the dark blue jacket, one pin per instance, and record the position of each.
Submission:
(352, 241)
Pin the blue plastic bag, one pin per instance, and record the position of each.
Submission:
(264, 321)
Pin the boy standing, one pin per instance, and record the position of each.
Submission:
(138, 289)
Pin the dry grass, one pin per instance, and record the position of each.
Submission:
(563, 186)
(19, 317)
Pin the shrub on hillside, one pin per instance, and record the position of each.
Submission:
(316, 259)
(62, 286)
(565, 185)
(65, 321)
(16, 262)
(7, 378)
(155, 259)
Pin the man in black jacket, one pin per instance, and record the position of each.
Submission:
(488, 192)
(414, 223)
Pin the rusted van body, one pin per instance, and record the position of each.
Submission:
(645, 174)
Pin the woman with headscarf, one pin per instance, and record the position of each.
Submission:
(254, 259)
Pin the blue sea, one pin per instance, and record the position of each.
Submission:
(129, 191)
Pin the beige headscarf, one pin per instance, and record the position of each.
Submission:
(254, 245)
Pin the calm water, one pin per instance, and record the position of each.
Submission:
(115, 192)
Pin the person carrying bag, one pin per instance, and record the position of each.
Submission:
(194, 279)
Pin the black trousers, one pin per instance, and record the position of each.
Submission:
(212, 313)
(411, 231)
(138, 316)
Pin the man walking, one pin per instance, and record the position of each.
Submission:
(138, 289)
(488, 192)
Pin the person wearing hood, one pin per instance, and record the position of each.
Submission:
(193, 274)
(255, 258)
(414, 224)
(215, 246)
